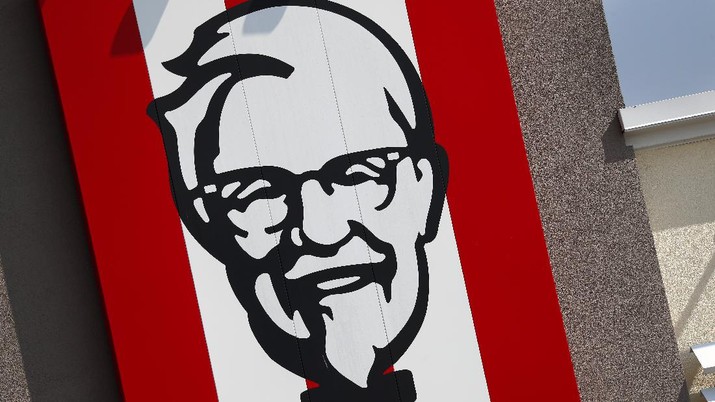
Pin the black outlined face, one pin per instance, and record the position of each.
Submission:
(319, 209)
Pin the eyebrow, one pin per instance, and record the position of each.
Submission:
(358, 167)
(260, 183)
(230, 188)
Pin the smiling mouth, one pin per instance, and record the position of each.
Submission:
(348, 278)
(354, 266)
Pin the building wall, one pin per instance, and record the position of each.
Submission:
(45, 258)
(602, 251)
(679, 187)
(593, 213)
(13, 384)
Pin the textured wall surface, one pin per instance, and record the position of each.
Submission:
(602, 252)
(594, 216)
(51, 281)
(13, 384)
(679, 188)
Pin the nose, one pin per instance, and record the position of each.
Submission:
(326, 216)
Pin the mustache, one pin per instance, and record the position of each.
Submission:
(311, 252)
(355, 252)
(300, 274)
(290, 291)
(357, 259)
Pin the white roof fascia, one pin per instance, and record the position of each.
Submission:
(706, 356)
(669, 122)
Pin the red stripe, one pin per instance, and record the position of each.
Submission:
(231, 3)
(136, 235)
(140, 249)
(491, 197)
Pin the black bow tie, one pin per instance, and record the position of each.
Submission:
(398, 386)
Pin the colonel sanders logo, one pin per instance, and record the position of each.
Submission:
(311, 172)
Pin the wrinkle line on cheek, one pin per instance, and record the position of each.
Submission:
(253, 237)
(257, 248)
(267, 297)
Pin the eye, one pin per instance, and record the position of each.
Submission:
(377, 162)
(359, 168)
(252, 188)
(230, 190)
(359, 173)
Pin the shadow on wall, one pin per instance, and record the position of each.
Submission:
(263, 23)
(128, 39)
(678, 184)
(696, 296)
(50, 277)
(614, 144)
(691, 328)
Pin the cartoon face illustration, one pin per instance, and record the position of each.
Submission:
(303, 158)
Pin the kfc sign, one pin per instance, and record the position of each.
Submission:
(267, 187)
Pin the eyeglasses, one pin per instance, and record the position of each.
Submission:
(237, 189)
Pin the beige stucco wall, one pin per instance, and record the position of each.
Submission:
(679, 187)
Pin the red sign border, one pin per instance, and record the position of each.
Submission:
(136, 234)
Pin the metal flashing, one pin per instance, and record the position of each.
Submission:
(669, 122)
(706, 357)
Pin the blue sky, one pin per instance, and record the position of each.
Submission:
(663, 48)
